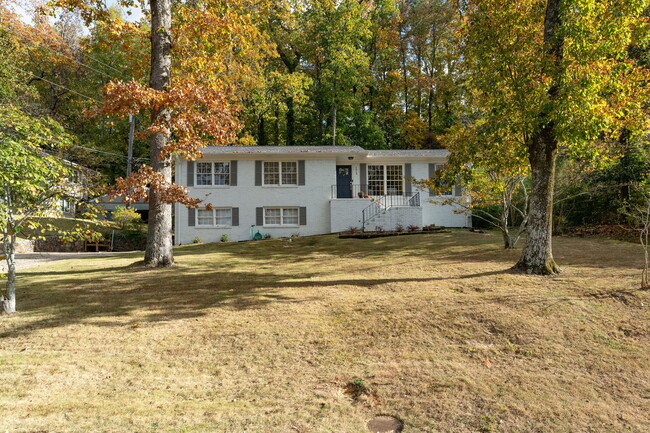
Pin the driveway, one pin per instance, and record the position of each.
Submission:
(30, 260)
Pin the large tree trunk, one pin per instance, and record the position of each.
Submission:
(261, 132)
(292, 65)
(159, 240)
(9, 250)
(537, 255)
(276, 127)
(291, 122)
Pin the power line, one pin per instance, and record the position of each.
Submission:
(55, 84)
(108, 153)
(57, 52)
(89, 149)
(87, 55)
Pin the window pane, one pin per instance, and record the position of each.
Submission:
(204, 173)
(290, 173)
(205, 217)
(222, 173)
(272, 216)
(271, 173)
(442, 167)
(290, 216)
(375, 180)
(394, 180)
(223, 217)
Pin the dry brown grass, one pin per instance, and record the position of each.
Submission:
(272, 336)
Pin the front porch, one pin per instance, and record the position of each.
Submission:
(366, 212)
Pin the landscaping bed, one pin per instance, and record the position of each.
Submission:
(370, 235)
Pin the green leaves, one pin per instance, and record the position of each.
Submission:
(32, 178)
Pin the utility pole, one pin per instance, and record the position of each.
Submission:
(129, 160)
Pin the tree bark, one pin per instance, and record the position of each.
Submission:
(291, 122)
(291, 64)
(159, 251)
(276, 127)
(261, 132)
(9, 250)
(537, 255)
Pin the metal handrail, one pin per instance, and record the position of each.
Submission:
(355, 189)
(386, 202)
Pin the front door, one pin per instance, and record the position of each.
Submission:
(343, 181)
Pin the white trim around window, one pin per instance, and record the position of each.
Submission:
(281, 216)
(280, 173)
(385, 179)
(215, 174)
(215, 217)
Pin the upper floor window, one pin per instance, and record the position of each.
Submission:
(212, 173)
(442, 167)
(385, 180)
(280, 173)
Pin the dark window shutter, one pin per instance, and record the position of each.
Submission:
(458, 190)
(233, 173)
(258, 173)
(303, 216)
(363, 177)
(432, 174)
(259, 216)
(407, 184)
(191, 219)
(301, 172)
(235, 216)
(190, 173)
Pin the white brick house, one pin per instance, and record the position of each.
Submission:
(307, 190)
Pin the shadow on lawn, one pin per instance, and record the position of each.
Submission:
(228, 276)
(72, 297)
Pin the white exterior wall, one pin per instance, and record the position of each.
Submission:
(314, 195)
(324, 214)
(433, 213)
(402, 215)
(346, 213)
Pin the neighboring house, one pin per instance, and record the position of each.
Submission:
(110, 204)
(75, 190)
(308, 190)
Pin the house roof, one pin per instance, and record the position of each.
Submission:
(346, 150)
(215, 150)
(410, 152)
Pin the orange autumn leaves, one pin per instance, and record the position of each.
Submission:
(136, 187)
(199, 115)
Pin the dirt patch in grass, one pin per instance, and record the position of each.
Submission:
(267, 337)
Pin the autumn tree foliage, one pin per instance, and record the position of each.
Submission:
(555, 75)
(494, 179)
(190, 99)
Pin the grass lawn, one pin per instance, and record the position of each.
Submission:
(320, 334)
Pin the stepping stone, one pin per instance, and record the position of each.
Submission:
(385, 424)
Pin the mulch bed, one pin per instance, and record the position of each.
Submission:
(369, 235)
(615, 231)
